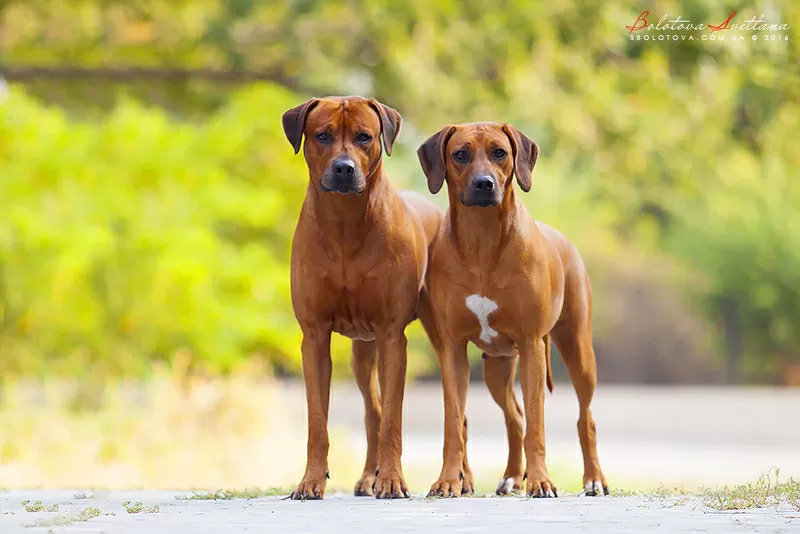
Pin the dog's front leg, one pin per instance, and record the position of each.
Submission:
(532, 370)
(392, 357)
(316, 350)
(454, 368)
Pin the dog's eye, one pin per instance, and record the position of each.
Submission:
(460, 155)
(499, 153)
(363, 138)
(324, 137)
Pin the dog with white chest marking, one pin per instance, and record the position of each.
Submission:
(506, 283)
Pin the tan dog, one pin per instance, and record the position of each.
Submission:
(506, 283)
(359, 258)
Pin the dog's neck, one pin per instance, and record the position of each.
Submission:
(347, 219)
(481, 234)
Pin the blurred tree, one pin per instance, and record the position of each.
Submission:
(128, 239)
(681, 147)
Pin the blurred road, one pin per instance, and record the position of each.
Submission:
(647, 436)
(347, 514)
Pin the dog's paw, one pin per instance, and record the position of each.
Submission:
(509, 485)
(364, 486)
(595, 488)
(310, 488)
(446, 487)
(539, 484)
(390, 485)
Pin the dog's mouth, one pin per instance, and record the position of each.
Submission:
(344, 185)
(342, 189)
(479, 201)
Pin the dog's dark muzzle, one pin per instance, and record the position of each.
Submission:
(343, 177)
(482, 191)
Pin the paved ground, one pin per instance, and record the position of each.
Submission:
(345, 514)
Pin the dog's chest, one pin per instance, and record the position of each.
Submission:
(363, 301)
(356, 305)
(482, 307)
(485, 317)
(361, 287)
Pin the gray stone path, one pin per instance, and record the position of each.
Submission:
(346, 514)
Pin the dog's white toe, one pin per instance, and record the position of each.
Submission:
(505, 486)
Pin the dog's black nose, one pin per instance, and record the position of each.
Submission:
(344, 168)
(483, 183)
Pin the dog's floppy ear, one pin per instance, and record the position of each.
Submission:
(526, 152)
(390, 124)
(294, 120)
(432, 158)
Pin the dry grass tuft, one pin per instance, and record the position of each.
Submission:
(766, 492)
(68, 519)
(226, 495)
(37, 506)
(140, 508)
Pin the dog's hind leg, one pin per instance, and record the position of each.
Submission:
(363, 363)
(574, 342)
(498, 374)
(468, 487)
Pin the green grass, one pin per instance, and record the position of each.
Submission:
(67, 519)
(140, 508)
(37, 506)
(226, 495)
(766, 492)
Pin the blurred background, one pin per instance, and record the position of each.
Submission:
(148, 198)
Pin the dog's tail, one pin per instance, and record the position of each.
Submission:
(547, 362)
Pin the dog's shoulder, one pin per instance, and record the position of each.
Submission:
(559, 243)
(424, 210)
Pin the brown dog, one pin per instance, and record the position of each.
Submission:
(506, 283)
(359, 258)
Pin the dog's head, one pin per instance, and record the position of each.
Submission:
(478, 161)
(342, 148)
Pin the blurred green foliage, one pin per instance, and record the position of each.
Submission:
(127, 239)
(133, 234)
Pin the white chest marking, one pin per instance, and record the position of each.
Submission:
(482, 307)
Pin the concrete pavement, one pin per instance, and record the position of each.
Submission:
(346, 514)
